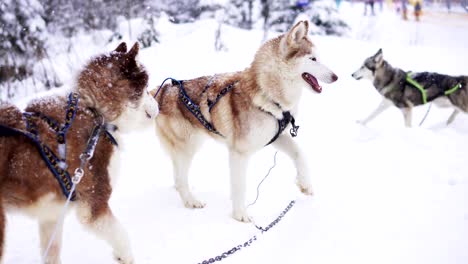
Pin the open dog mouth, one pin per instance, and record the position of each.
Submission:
(312, 81)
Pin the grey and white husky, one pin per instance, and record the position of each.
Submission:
(406, 90)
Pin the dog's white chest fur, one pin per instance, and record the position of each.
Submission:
(265, 127)
(114, 165)
(47, 208)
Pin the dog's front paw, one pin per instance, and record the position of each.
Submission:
(241, 216)
(52, 261)
(123, 259)
(305, 187)
(193, 203)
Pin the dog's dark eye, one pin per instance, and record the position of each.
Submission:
(369, 67)
(313, 58)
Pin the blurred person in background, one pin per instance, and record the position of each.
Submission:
(380, 5)
(449, 5)
(404, 9)
(371, 4)
(417, 9)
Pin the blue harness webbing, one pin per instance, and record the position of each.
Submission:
(56, 164)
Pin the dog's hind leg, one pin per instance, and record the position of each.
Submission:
(98, 218)
(46, 229)
(384, 105)
(452, 116)
(407, 115)
(287, 145)
(238, 169)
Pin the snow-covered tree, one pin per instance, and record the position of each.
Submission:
(280, 15)
(324, 15)
(241, 13)
(22, 38)
(184, 11)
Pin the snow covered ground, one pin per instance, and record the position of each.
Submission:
(383, 193)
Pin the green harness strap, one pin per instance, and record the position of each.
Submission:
(423, 91)
(453, 89)
(418, 86)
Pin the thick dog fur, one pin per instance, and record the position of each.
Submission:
(246, 116)
(114, 85)
(391, 83)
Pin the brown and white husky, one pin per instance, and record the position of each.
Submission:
(112, 87)
(246, 110)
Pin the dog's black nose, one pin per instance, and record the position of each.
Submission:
(334, 77)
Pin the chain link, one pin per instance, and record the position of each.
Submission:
(251, 240)
(276, 221)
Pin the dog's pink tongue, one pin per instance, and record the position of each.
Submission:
(312, 81)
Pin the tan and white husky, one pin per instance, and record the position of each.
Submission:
(246, 110)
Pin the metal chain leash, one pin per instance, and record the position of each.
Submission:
(251, 240)
(230, 252)
(262, 229)
(276, 221)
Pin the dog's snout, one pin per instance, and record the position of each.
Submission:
(334, 78)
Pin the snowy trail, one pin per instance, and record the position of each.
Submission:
(383, 193)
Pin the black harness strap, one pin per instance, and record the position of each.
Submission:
(57, 164)
(210, 81)
(60, 130)
(223, 92)
(69, 117)
(107, 128)
(49, 157)
(282, 124)
(194, 108)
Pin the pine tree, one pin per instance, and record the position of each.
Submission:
(241, 14)
(280, 15)
(22, 37)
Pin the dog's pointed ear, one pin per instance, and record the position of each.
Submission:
(378, 57)
(134, 50)
(299, 31)
(122, 47)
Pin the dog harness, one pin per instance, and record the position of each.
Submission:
(424, 92)
(57, 163)
(195, 108)
(282, 124)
